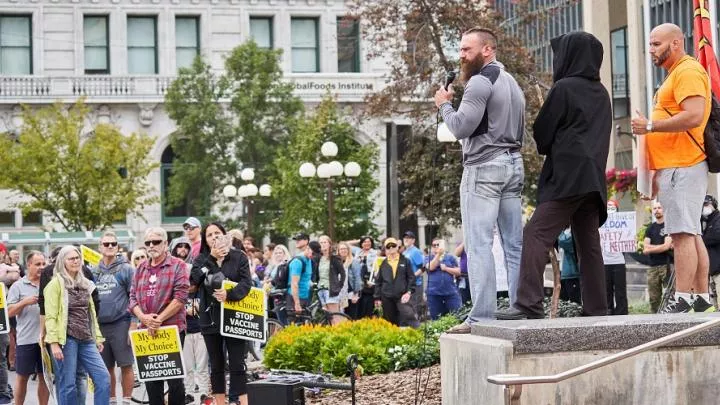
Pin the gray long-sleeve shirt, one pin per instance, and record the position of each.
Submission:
(491, 117)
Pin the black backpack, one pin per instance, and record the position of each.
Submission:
(282, 275)
(711, 137)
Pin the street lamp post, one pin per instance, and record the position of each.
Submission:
(247, 192)
(327, 172)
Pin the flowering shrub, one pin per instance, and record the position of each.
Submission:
(381, 347)
(620, 182)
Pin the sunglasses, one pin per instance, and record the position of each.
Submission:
(390, 246)
(153, 242)
(188, 227)
(109, 244)
(140, 258)
(435, 245)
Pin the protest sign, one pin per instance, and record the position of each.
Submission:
(4, 319)
(618, 234)
(244, 319)
(158, 357)
(90, 256)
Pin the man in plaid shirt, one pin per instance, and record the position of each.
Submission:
(157, 298)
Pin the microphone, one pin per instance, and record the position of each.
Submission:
(449, 78)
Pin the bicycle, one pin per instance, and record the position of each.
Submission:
(315, 314)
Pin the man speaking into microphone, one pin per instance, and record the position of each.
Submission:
(489, 122)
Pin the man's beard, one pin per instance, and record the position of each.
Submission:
(471, 68)
(660, 216)
(660, 59)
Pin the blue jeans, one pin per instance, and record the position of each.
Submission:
(490, 194)
(440, 305)
(85, 353)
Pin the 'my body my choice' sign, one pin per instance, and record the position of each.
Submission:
(618, 234)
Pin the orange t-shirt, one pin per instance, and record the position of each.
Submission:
(687, 78)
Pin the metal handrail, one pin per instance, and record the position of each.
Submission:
(516, 381)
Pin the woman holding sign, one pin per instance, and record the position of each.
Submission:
(72, 329)
(218, 262)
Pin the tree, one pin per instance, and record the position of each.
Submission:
(303, 202)
(239, 118)
(418, 38)
(84, 179)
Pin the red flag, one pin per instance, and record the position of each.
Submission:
(702, 35)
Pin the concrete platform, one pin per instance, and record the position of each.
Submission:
(683, 373)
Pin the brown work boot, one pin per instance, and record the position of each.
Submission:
(461, 329)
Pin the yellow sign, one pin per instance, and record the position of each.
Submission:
(164, 341)
(158, 357)
(253, 303)
(4, 318)
(90, 256)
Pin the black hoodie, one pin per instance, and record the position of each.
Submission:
(574, 124)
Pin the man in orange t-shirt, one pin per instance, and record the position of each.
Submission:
(675, 150)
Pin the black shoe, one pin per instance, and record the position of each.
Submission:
(677, 307)
(514, 314)
(189, 399)
(700, 305)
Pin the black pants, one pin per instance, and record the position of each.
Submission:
(366, 305)
(616, 288)
(176, 388)
(570, 290)
(549, 219)
(398, 313)
(216, 345)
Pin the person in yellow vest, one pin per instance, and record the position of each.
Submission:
(394, 284)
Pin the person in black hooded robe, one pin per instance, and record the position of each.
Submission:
(572, 130)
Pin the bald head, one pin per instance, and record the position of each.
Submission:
(668, 30)
(667, 45)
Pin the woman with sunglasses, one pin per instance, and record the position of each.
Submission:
(72, 330)
(218, 262)
(137, 257)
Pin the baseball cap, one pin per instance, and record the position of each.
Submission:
(710, 200)
(192, 221)
(409, 234)
(389, 241)
(301, 236)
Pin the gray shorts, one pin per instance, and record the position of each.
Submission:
(681, 191)
(116, 348)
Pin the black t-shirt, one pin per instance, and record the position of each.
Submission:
(656, 233)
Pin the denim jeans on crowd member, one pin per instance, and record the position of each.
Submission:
(490, 194)
(5, 396)
(82, 352)
(440, 305)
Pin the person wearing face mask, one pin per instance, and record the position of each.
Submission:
(615, 275)
(711, 238)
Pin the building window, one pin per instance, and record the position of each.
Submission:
(348, 43)
(7, 218)
(32, 218)
(177, 213)
(142, 45)
(15, 45)
(187, 40)
(261, 31)
(305, 46)
(96, 37)
(620, 93)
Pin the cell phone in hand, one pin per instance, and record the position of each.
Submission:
(223, 242)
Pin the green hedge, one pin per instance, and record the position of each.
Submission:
(381, 347)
